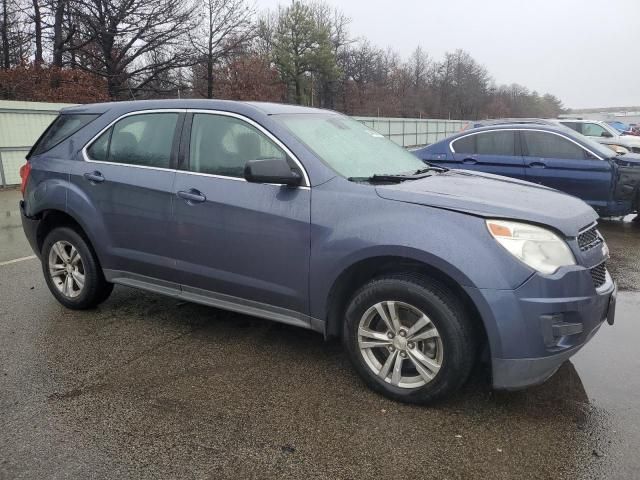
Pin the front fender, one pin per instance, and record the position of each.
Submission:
(459, 245)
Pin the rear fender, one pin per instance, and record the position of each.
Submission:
(61, 195)
(82, 209)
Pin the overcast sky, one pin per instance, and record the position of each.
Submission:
(586, 52)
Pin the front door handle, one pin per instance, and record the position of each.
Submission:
(94, 177)
(538, 165)
(192, 196)
(470, 161)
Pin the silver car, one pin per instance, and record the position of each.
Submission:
(604, 133)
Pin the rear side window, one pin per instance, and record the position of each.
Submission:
(465, 145)
(144, 140)
(60, 129)
(489, 143)
(496, 143)
(222, 145)
(548, 145)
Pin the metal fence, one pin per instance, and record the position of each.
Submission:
(413, 132)
(21, 123)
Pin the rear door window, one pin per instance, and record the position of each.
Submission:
(60, 129)
(496, 143)
(488, 143)
(143, 140)
(549, 145)
(465, 145)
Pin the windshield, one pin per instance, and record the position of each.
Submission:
(348, 147)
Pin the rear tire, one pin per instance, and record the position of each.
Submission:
(422, 351)
(72, 271)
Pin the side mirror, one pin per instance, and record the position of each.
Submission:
(271, 170)
(606, 135)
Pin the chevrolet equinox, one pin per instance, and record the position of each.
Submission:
(307, 217)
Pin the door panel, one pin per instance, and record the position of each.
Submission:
(129, 184)
(246, 240)
(135, 206)
(555, 161)
(493, 152)
(237, 238)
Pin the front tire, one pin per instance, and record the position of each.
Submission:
(72, 271)
(409, 338)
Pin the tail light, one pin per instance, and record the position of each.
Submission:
(25, 170)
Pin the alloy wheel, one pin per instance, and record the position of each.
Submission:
(66, 269)
(400, 344)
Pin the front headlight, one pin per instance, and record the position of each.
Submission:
(537, 247)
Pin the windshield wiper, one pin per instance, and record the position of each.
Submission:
(431, 168)
(389, 177)
(400, 177)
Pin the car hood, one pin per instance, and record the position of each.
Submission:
(492, 196)
(624, 140)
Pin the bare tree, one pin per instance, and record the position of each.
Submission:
(419, 67)
(62, 37)
(15, 38)
(226, 27)
(336, 23)
(265, 33)
(130, 43)
(4, 35)
(37, 28)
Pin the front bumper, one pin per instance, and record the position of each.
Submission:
(534, 329)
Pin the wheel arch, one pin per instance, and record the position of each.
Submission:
(360, 272)
(53, 218)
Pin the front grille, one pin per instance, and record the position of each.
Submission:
(589, 239)
(599, 274)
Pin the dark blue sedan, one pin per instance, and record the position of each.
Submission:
(547, 155)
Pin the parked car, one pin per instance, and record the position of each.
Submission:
(622, 128)
(547, 155)
(602, 132)
(309, 218)
(615, 146)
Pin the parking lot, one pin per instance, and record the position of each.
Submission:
(152, 387)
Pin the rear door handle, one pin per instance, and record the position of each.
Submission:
(94, 177)
(470, 161)
(192, 196)
(538, 165)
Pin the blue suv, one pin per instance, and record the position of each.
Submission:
(309, 218)
(539, 152)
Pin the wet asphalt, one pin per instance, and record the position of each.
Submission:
(148, 387)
